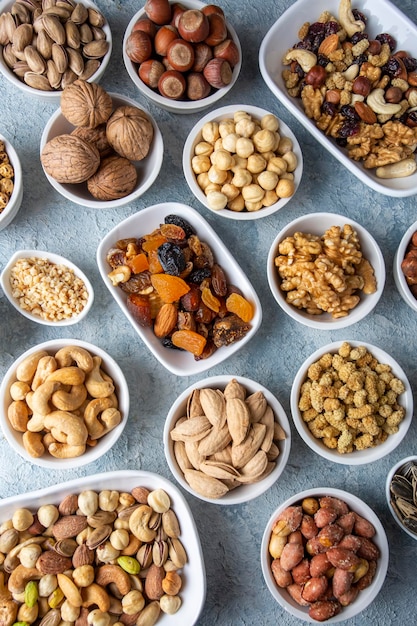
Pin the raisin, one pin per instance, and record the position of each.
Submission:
(393, 67)
(209, 349)
(331, 28)
(356, 37)
(191, 300)
(137, 283)
(155, 266)
(169, 288)
(152, 242)
(172, 231)
(240, 306)
(204, 314)
(197, 276)
(329, 108)
(171, 258)
(410, 64)
(349, 112)
(387, 38)
(140, 308)
(167, 343)
(210, 300)
(218, 280)
(123, 243)
(349, 129)
(189, 340)
(180, 221)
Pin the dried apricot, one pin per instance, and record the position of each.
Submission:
(169, 288)
(241, 307)
(155, 266)
(189, 340)
(152, 242)
(140, 308)
(138, 263)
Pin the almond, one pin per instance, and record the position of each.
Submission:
(365, 112)
(69, 526)
(329, 45)
(51, 562)
(82, 556)
(153, 582)
(165, 320)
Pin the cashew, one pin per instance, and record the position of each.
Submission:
(65, 451)
(46, 365)
(94, 594)
(40, 400)
(403, 168)
(96, 385)
(93, 409)
(69, 354)
(377, 103)
(32, 442)
(35, 424)
(70, 590)
(66, 427)
(351, 72)
(139, 523)
(111, 418)
(20, 576)
(107, 574)
(18, 390)
(305, 58)
(69, 400)
(18, 415)
(347, 19)
(25, 371)
(70, 375)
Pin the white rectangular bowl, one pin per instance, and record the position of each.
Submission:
(383, 17)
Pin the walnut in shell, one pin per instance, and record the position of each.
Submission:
(86, 104)
(70, 159)
(130, 132)
(96, 136)
(115, 178)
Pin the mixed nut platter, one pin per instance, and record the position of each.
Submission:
(234, 236)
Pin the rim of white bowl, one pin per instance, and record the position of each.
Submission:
(390, 476)
(13, 205)
(192, 139)
(399, 278)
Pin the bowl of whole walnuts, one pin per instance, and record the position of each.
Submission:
(100, 149)
(184, 57)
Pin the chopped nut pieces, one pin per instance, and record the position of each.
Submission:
(324, 273)
(350, 401)
(50, 291)
(6, 177)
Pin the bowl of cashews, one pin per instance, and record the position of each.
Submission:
(65, 403)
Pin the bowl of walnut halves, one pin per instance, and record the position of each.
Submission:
(140, 553)
(346, 69)
(326, 271)
(351, 402)
(405, 267)
(100, 150)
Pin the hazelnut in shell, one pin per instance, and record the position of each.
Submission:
(163, 38)
(146, 25)
(138, 46)
(180, 55)
(130, 132)
(193, 26)
(217, 29)
(172, 84)
(86, 104)
(70, 159)
(150, 71)
(227, 50)
(218, 73)
(197, 86)
(159, 11)
(115, 178)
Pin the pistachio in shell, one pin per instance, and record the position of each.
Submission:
(115, 178)
(70, 159)
(86, 104)
(130, 132)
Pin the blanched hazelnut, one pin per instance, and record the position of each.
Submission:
(226, 127)
(245, 127)
(285, 188)
(291, 160)
(256, 163)
(210, 131)
(244, 147)
(216, 200)
(270, 122)
(267, 180)
(285, 145)
(200, 163)
(212, 187)
(242, 178)
(253, 206)
(216, 175)
(265, 140)
(270, 198)
(222, 159)
(230, 190)
(237, 204)
(203, 180)
(229, 142)
(240, 163)
(204, 148)
(253, 193)
(278, 165)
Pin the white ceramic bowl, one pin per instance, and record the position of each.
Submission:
(357, 457)
(180, 363)
(55, 95)
(193, 591)
(283, 35)
(179, 106)
(13, 205)
(53, 258)
(104, 444)
(244, 492)
(399, 277)
(195, 137)
(366, 596)
(147, 169)
(317, 224)
(398, 468)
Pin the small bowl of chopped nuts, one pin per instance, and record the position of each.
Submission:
(405, 267)
(242, 162)
(218, 411)
(328, 298)
(41, 69)
(351, 402)
(79, 403)
(324, 555)
(184, 57)
(11, 183)
(47, 288)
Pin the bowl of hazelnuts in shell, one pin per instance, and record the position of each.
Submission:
(184, 57)
(100, 149)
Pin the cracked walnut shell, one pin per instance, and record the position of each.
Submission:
(130, 132)
(115, 178)
(86, 104)
(70, 159)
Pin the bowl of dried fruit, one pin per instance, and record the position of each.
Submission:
(178, 285)
(227, 439)
(405, 267)
(65, 403)
(100, 150)
(242, 162)
(351, 402)
(401, 490)
(11, 182)
(347, 274)
(184, 57)
(347, 70)
(72, 41)
(324, 555)
(128, 501)
(47, 288)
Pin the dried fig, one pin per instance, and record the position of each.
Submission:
(86, 104)
(130, 132)
(115, 178)
(70, 159)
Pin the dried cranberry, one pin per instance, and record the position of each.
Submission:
(358, 15)
(329, 108)
(316, 28)
(349, 112)
(180, 221)
(331, 28)
(349, 129)
(387, 38)
(410, 64)
(356, 37)
(172, 259)
(199, 275)
(392, 67)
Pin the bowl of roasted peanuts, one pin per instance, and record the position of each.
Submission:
(324, 555)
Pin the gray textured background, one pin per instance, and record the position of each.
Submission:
(230, 536)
